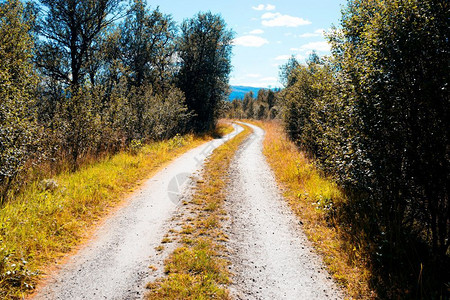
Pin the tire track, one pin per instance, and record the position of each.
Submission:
(271, 257)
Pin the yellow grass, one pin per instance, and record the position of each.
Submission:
(41, 225)
(312, 197)
(224, 127)
(197, 269)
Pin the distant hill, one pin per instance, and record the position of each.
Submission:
(240, 91)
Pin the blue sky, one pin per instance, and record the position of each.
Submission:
(266, 32)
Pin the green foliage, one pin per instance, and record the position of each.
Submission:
(96, 84)
(18, 130)
(135, 146)
(14, 273)
(287, 72)
(147, 43)
(169, 115)
(376, 116)
(71, 34)
(204, 50)
(103, 85)
(261, 108)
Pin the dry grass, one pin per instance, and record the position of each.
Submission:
(313, 198)
(46, 221)
(223, 127)
(197, 269)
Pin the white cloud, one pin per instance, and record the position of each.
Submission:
(282, 57)
(257, 31)
(318, 32)
(318, 46)
(279, 20)
(269, 15)
(254, 83)
(259, 7)
(264, 7)
(268, 79)
(263, 82)
(253, 75)
(250, 41)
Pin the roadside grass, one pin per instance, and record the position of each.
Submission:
(197, 269)
(49, 218)
(223, 128)
(314, 198)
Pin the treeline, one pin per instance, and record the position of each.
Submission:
(83, 78)
(263, 107)
(375, 115)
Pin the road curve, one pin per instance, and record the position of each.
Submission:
(115, 264)
(271, 257)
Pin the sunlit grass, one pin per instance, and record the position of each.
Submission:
(197, 269)
(42, 224)
(314, 198)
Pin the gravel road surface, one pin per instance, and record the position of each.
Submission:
(270, 255)
(115, 264)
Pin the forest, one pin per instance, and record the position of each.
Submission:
(81, 80)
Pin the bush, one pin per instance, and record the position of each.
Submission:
(18, 131)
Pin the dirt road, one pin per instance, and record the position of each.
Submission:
(270, 255)
(115, 264)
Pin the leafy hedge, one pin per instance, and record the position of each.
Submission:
(375, 115)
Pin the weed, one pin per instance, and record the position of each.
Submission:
(135, 146)
(166, 240)
(153, 268)
(187, 229)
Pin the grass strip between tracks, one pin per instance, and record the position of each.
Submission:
(197, 269)
(46, 221)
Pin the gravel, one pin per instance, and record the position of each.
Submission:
(271, 257)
